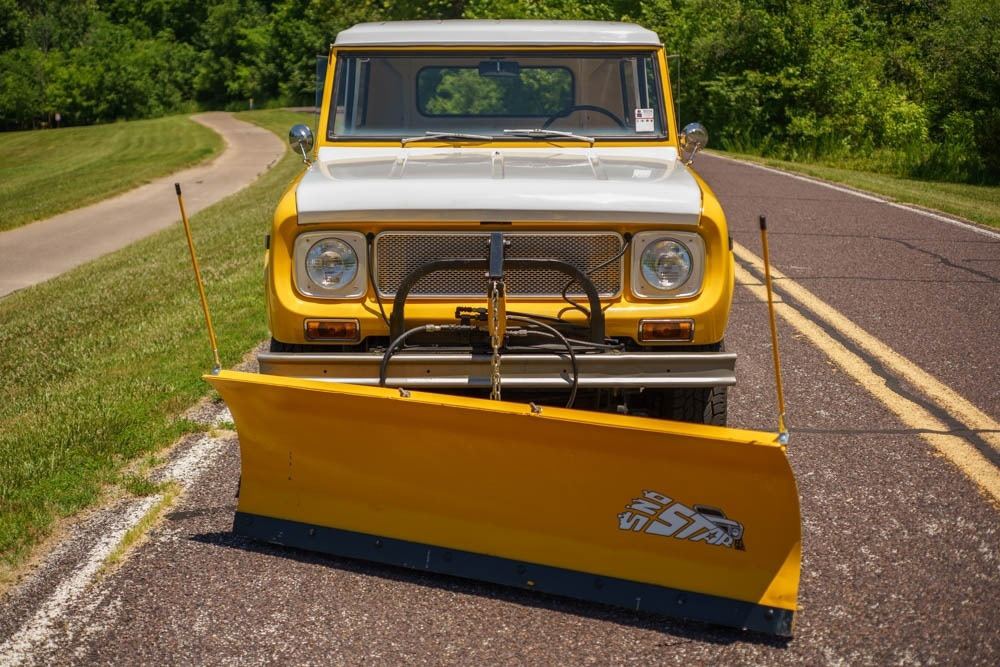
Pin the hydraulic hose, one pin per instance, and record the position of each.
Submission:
(399, 340)
(569, 348)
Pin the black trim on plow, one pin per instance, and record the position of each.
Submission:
(527, 576)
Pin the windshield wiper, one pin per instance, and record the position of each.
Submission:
(437, 136)
(539, 133)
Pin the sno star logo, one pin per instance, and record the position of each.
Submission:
(657, 514)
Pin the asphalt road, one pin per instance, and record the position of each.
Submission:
(887, 327)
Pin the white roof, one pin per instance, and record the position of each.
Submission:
(471, 32)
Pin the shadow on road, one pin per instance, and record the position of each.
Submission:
(683, 631)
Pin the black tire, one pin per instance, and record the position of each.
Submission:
(707, 405)
(694, 405)
(704, 406)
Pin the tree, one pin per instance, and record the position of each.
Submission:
(13, 22)
(964, 89)
(21, 99)
(232, 44)
(911, 85)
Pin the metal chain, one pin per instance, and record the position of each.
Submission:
(495, 341)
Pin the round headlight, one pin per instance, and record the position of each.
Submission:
(666, 264)
(331, 263)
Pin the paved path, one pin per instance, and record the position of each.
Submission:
(44, 249)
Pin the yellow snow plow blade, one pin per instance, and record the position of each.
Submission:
(700, 522)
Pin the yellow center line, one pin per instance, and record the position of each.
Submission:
(953, 447)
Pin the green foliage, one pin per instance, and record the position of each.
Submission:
(181, 19)
(396, 10)
(888, 79)
(546, 9)
(232, 66)
(13, 22)
(21, 97)
(462, 91)
(893, 83)
(114, 76)
(964, 51)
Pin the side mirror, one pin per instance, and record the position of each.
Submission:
(300, 138)
(692, 139)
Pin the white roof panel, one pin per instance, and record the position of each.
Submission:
(471, 32)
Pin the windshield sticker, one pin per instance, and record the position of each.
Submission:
(644, 120)
(657, 514)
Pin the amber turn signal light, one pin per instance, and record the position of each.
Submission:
(332, 330)
(666, 330)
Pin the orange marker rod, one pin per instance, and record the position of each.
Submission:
(197, 276)
(782, 430)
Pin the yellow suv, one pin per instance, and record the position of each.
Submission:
(504, 208)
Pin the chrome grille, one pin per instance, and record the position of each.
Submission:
(399, 253)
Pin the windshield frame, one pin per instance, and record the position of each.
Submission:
(351, 79)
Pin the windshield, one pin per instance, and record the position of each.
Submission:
(476, 96)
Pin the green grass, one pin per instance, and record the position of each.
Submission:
(96, 365)
(47, 172)
(978, 203)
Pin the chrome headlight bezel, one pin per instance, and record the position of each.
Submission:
(691, 244)
(354, 285)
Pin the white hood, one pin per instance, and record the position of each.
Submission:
(647, 185)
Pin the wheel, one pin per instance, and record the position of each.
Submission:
(696, 405)
(704, 406)
(585, 107)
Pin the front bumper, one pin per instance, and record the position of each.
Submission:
(457, 370)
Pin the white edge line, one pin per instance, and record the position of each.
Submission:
(19, 648)
(36, 630)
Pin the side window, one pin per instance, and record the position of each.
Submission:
(641, 94)
(349, 112)
(651, 97)
(493, 91)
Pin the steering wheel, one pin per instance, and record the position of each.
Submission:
(585, 107)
